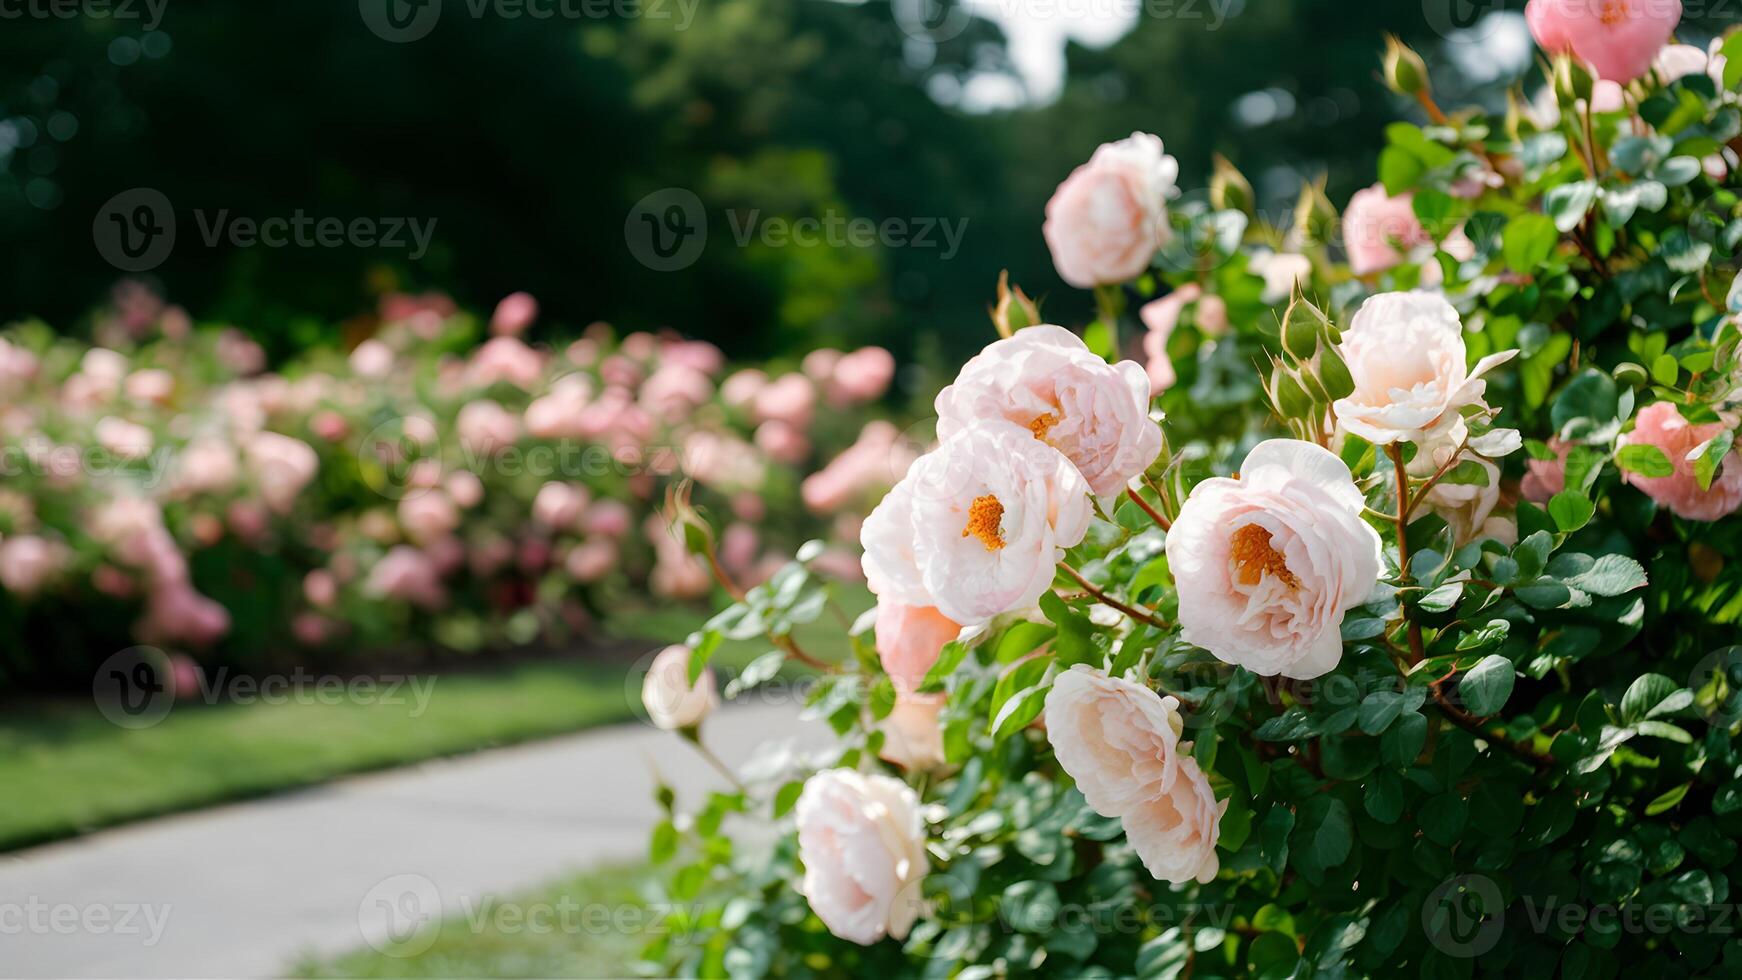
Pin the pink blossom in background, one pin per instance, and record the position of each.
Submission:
(488, 554)
(783, 442)
(791, 398)
(559, 506)
(912, 737)
(748, 505)
(819, 365)
(446, 553)
(557, 414)
(876, 461)
(722, 461)
(310, 629)
(622, 372)
(176, 614)
(1661, 424)
(862, 376)
(739, 547)
(18, 366)
(1543, 478)
(485, 427)
(29, 562)
(1376, 225)
(248, 520)
(465, 488)
(406, 574)
(152, 385)
(513, 315)
(674, 391)
(372, 359)
(123, 438)
(697, 355)
(1619, 38)
(583, 353)
(329, 426)
(404, 306)
(591, 561)
(607, 518)
(112, 581)
(677, 574)
(240, 353)
(741, 388)
(640, 345)
(186, 675)
(427, 516)
(206, 465)
(839, 563)
(1161, 316)
(505, 359)
(281, 467)
(321, 588)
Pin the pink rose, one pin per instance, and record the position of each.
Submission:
(465, 488)
(978, 525)
(1376, 226)
(1161, 316)
(607, 518)
(1282, 272)
(672, 702)
(1468, 508)
(513, 315)
(791, 398)
(909, 639)
(558, 414)
(1405, 352)
(281, 467)
(153, 385)
(1267, 564)
(1108, 218)
(486, 428)
(741, 388)
(912, 738)
(558, 506)
(1543, 478)
(175, 613)
(1045, 379)
(862, 843)
(408, 575)
(861, 376)
(1619, 38)
(206, 465)
(1661, 424)
(878, 458)
(783, 442)
(123, 438)
(505, 359)
(697, 355)
(1175, 833)
(321, 588)
(428, 516)
(29, 562)
(372, 359)
(675, 391)
(591, 561)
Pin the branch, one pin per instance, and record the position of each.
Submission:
(1470, 723)
(1155, 515)
(1104, 599)
(1416, 647)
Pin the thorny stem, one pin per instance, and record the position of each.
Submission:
(1104, 599)
(1416, 648)
(1155, 515)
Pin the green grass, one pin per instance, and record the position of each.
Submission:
(580, 943)
(65, 770)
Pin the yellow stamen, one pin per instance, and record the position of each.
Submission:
(1251, 550)
(984, 514)
(1042, 425)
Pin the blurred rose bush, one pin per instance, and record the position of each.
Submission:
(1383, 623)
(425, 488)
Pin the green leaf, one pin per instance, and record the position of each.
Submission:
(1322, 836)
(1644, 460)
(1667, 800)
(1609, 575)
(1402, 742)
(1569, 203)
(664, 842)
(1709, 455)
(949, 658)
(1379, 710)
(1383, 797)
(1644, 695)
(1486, 687)
(1031, 906)
(1571, 510)
(1528, 241)
(786, 797)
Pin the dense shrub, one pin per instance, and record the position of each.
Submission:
(1408, 650)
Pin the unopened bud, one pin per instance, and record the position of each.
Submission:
(1405, 72)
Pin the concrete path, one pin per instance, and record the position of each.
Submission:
(241, 891)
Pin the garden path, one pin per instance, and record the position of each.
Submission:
(242, 890)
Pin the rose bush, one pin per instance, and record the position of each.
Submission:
(1412, 652)
(161, 486)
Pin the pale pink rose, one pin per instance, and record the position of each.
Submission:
(1378, 229)
(321, 588)
(240, 354)
(486, 428)
(281, 468)
(1405, 352)
(206, 465)
(329, 426)
(428, 516)
(1283, 272)
(408, 575)
(675, 391)
(559, 506)
(607, 518)
(722, 461)
(1161, 317)
(739, 546)
(513, 315)
(153, 385)
(1108, 218)
(1619, 38)
(862, 842)
(912, 737)
(909, 639)
(1267, 564)
(1661, 424)
(123, 438)
(791, 398)
(372, 359)
(697, 355)
(783, 442)
(978, 525)
(861, 376)
(621, 372)
(18, 367)
(672, 702)
(465, 488)
(582, 353)
(175, 613)
(1468, 508)
(819, 364)
(505, 359)
(591, 561)
(1175, 833)
(1045, 379)
(1118, 740)
(29, 562)
(558, 413)
(640, 345)
(248, 520)
(867, 468)
(741, 388)
(1543, 478)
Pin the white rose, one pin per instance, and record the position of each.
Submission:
(1267, 564)
(672, 702)
(1405, 353)
(863, 846)
(1108, 218)
(1175, 832)
(1118, 740)
(1046, 379)
(978, 525)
